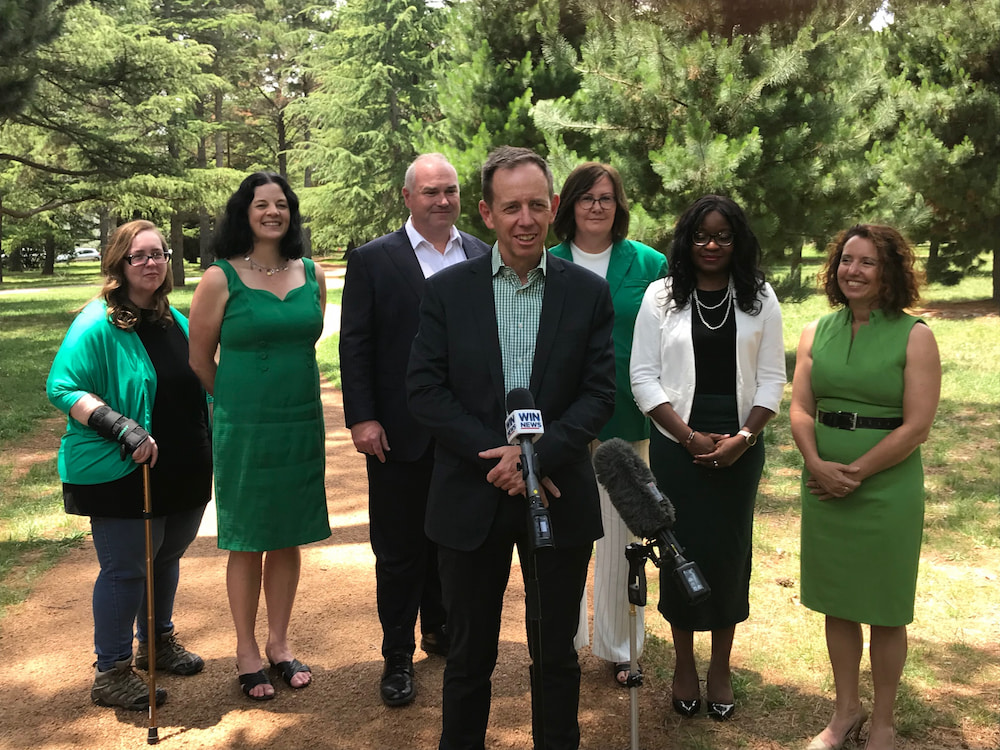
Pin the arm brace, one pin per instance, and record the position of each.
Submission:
(114, 426)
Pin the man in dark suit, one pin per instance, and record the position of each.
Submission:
(379, 314)
(514, 319)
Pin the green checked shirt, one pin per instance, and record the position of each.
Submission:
(518, 310)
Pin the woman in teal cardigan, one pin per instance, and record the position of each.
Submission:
(122, 376)
(592, 222)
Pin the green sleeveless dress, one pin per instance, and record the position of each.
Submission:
(860, 553)
(268, 437)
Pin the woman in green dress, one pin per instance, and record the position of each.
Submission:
(262, 306)
(865, 391)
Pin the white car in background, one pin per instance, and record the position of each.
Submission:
(80, 253)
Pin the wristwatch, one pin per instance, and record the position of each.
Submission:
(748, 436)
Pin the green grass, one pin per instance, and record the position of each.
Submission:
(951, 684)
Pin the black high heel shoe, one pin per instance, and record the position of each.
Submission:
(687, 709)
(721, 711)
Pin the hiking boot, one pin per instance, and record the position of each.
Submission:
(171, 656)
(121, 687)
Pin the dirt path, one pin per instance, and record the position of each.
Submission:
(46, 652)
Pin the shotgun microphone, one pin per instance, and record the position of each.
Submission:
(646, 511)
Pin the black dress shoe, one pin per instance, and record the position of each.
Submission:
(435, 642)
(397, 688)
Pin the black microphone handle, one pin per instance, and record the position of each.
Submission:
(539, 523)
(529, 461)
(686, 572)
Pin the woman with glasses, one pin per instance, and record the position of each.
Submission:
(708, 366)
(261, 305)
(592, 222)
(122, 376)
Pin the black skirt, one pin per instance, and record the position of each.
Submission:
(714, 519)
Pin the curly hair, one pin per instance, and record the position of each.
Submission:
(748, 279)
(581, 180)
(234, 235)
(122, 311)
(899, 280)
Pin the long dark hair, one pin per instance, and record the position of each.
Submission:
(744, 266)
(581, 180)
(234, 236)
(899, 280)
(122, 311)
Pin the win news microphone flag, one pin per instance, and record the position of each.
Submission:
(645, 510)
(524, 426)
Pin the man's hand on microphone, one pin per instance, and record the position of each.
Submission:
(506, 475)
(370, 438)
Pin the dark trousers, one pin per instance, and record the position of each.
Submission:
(473, 585)
(406, 566)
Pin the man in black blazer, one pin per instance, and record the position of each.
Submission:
(379, 314)
(515, 318)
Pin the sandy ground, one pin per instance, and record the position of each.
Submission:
(46, 650)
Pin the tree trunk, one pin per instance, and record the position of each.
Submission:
(205, 238)
(177, 243)
(795, 269)
(49, 264)
(996, 278)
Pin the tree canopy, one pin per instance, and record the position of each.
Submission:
(802, 111)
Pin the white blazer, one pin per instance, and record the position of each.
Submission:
(662, 368)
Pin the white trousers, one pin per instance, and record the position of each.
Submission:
(611, 607)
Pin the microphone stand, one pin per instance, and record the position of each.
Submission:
(532, 591)
(636, 554)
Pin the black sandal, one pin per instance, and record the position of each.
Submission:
(250, 680)
(291, 668)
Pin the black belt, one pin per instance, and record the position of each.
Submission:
(849, 420)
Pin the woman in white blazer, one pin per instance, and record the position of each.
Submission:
(708, 366)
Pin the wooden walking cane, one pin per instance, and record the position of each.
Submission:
(147, 513)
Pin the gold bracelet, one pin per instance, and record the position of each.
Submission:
(689, 439)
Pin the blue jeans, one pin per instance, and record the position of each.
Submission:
(120, 589)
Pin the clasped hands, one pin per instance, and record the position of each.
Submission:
(506, 475)
(714, 450)
(829, 479)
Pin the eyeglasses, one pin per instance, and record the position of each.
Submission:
(722, 239)
(141, 260)
(587, 202)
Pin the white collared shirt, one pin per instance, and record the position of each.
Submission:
(430, 259)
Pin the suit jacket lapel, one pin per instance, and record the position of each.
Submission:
(622, 255)
(402, 256)
(482, 309)
(548, 324)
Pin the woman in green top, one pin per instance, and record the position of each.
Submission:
(866, 388)
(592, 221)
(261, 305)
(122, 376)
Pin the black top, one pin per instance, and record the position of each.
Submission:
(182, 477)
(714, 350)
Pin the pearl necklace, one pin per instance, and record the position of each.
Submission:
(265, 269)
(699, 306)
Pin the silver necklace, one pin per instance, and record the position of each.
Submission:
(265, 269)
(699, 307)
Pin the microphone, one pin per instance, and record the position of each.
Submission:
(646, 511)
(524, 426)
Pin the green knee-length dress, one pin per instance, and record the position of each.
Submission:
(268, 433)
(860, 553)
